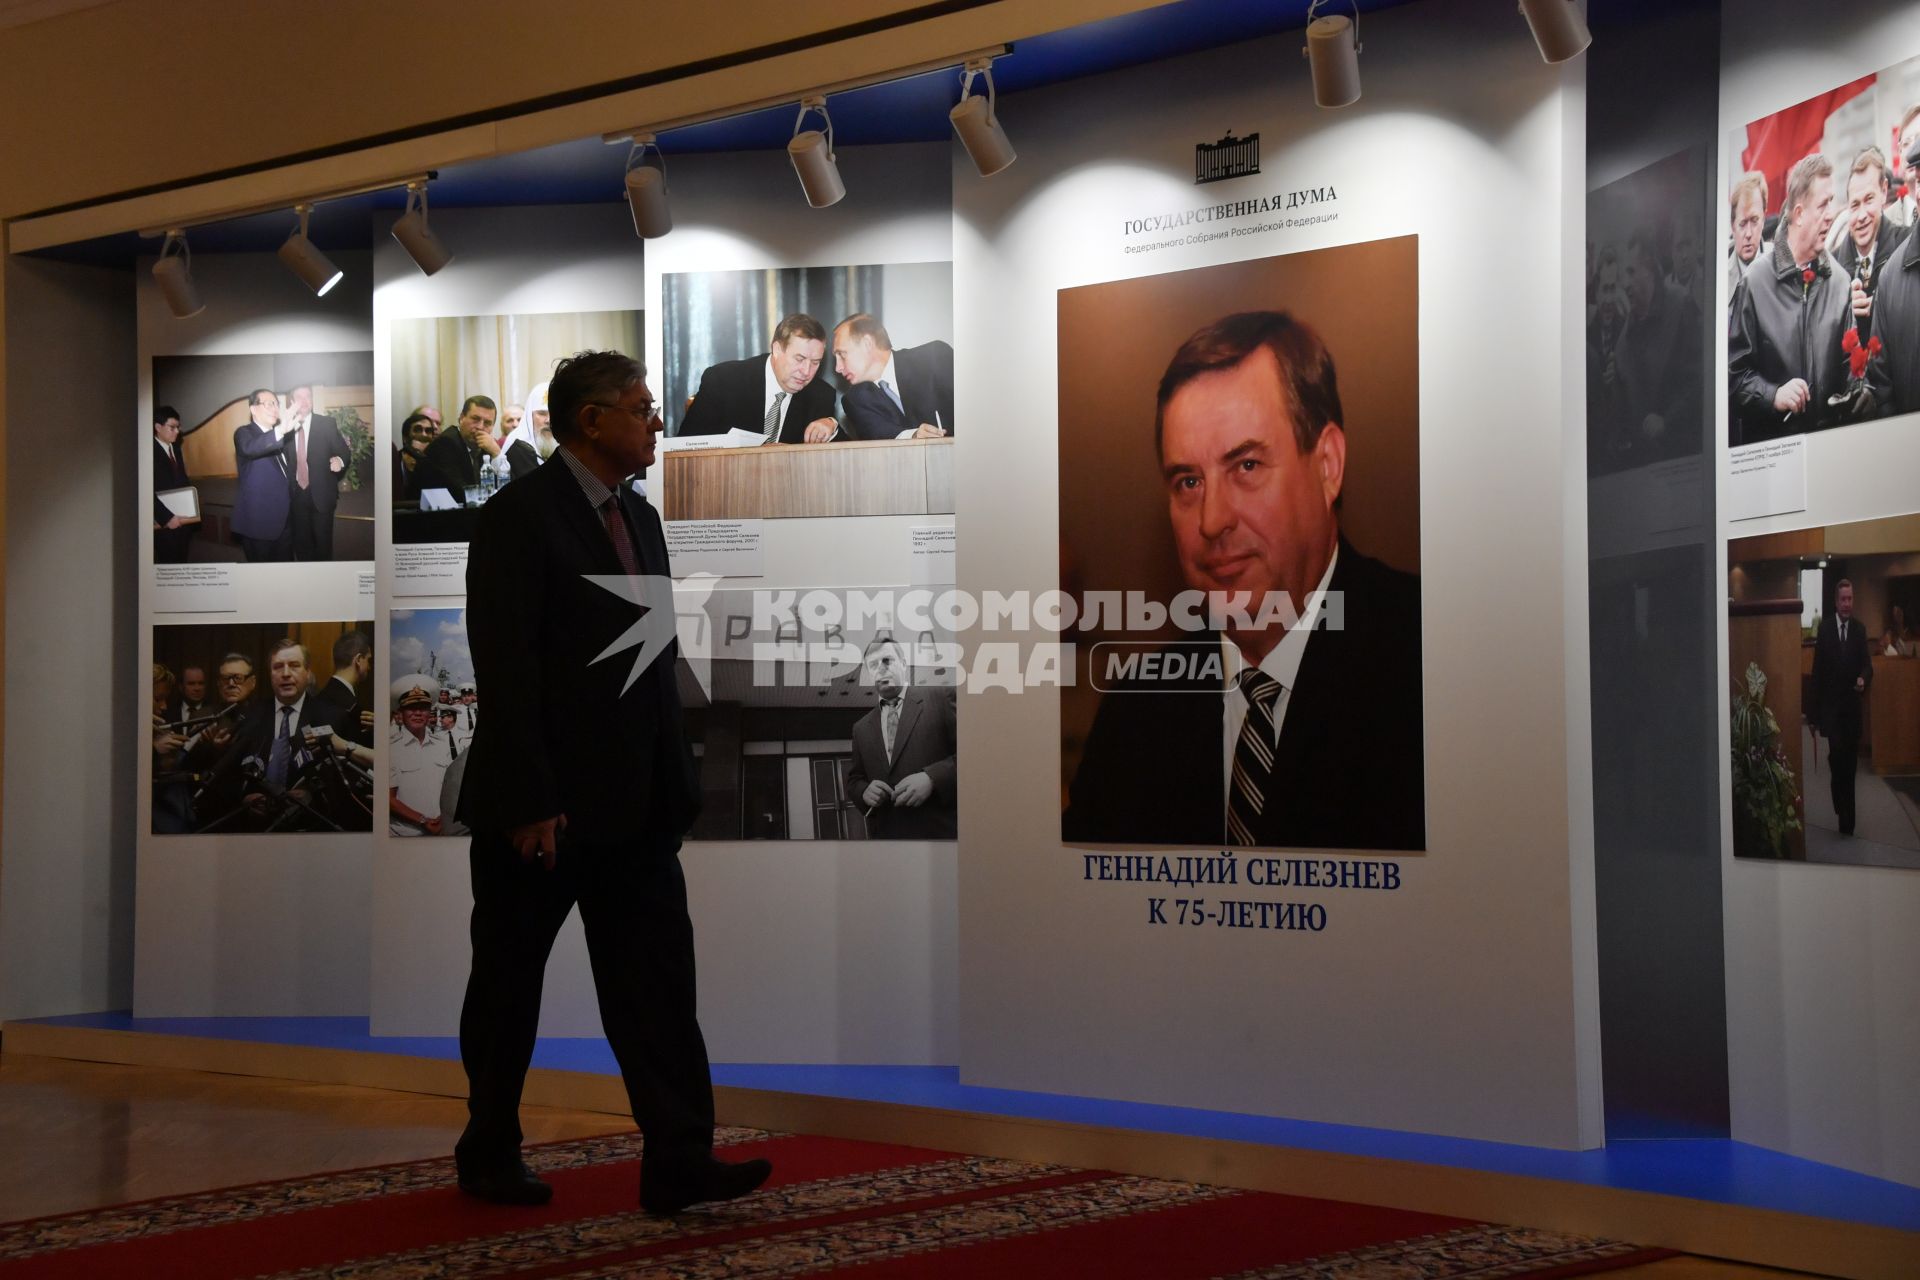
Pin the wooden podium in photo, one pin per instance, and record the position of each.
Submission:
(854, 478)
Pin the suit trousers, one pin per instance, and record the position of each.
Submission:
(633, 904)
(1843, 762)
(312, 529)
(267, 550)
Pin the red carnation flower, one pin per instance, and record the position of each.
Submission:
(1807, 275)
(1850, 341)
(1873, 345)
(1901, 194)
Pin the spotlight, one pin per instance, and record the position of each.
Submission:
(1558, 28)
(313, 267)
(1333, 51)
(812, 154)
(647, 189)
(416, 237)
(979, 128)
(174, 274)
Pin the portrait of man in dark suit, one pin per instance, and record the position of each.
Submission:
(320, 458)
(1298, 722)
(1842, 670)
(903, 774)
(780, 396)
(895, 395)
(172, 536)
(454, 459)
(263, 502)
(579, 787)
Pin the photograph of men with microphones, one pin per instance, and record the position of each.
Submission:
(262, 727)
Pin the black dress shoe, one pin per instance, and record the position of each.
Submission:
(505, 1184)
(678, 1186)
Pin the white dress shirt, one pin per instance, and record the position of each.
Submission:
(1282, 663)
(415, 767)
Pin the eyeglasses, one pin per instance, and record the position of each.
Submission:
(645, 412)
(235, 677)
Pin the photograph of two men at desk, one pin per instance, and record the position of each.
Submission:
(806, 391)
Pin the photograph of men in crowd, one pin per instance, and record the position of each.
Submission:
(492, 372)
(1821, 658)
(267, 459)
(780, 353)
(1234, 453)
(1648, 393)
(434, 707)
(828, 734)
(282, 743)
(1808, 348)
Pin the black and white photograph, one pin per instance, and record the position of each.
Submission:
(263, 458)
(468, 398)
(262, 727)
(830, 372)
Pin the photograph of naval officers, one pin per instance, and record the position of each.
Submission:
(433, 708)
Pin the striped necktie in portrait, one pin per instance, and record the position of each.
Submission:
(1252, 756)
(770, 428)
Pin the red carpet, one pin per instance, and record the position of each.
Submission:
(834, 1206)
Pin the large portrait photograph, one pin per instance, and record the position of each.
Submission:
(262, 727)
(808, 391)
(1823, 271)
(1825, 698)
(1240, 463)
(263, 458)
(432, 709)
(468, 398)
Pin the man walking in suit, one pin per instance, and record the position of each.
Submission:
(903, 753)
(263, 503)
(781, 396)
(1842, 670)
(578, 788)
(896, 395)
(320, 458)
(172, 536)
(1293, 725)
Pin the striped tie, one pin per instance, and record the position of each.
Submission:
(1252, 756)
(771, 426)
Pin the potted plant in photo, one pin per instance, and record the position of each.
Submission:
(1766, 801)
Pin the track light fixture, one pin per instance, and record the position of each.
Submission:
(1333, 51)
(973, 118)
(313, 267)
(1558, 28)
(416, 237)
(811, 151)
(647, 188)
(173, 272)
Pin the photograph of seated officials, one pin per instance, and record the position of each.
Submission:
(854, 742)
(263, 458)
(808, 356)
(1823, 271)
(469, 406)
(432, 708)
(262, 726)
(1825, 698)
(1249, 431)
(1649, 396)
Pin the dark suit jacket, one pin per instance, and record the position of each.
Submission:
(1894, 374)
(347, 709)
(923, 742)
(169, 545)
(1350, 772)
(264, 488)
(447, 464)
(559, 735)
(1836, 707)
(324, 441)
(733, 394)
(926, 392)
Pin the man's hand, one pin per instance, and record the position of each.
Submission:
(1653, 426)
(336, 464)
(927, 431)
(1862, 300)
(821, 430)
(432, 828)
(876, 794)
(366, 719)
(1859, 684)
(256, 803)
(914, 789)
(538, 839)
(217, 734)
(487, 444)
(175, 523)
(1792, 396)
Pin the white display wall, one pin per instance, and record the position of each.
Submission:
(1464, 1002)
(1823, 1025)
(248, 924)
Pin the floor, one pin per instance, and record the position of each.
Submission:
(81, 1135)
(1886, 830)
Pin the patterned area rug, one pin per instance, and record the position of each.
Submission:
(834, 1206)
